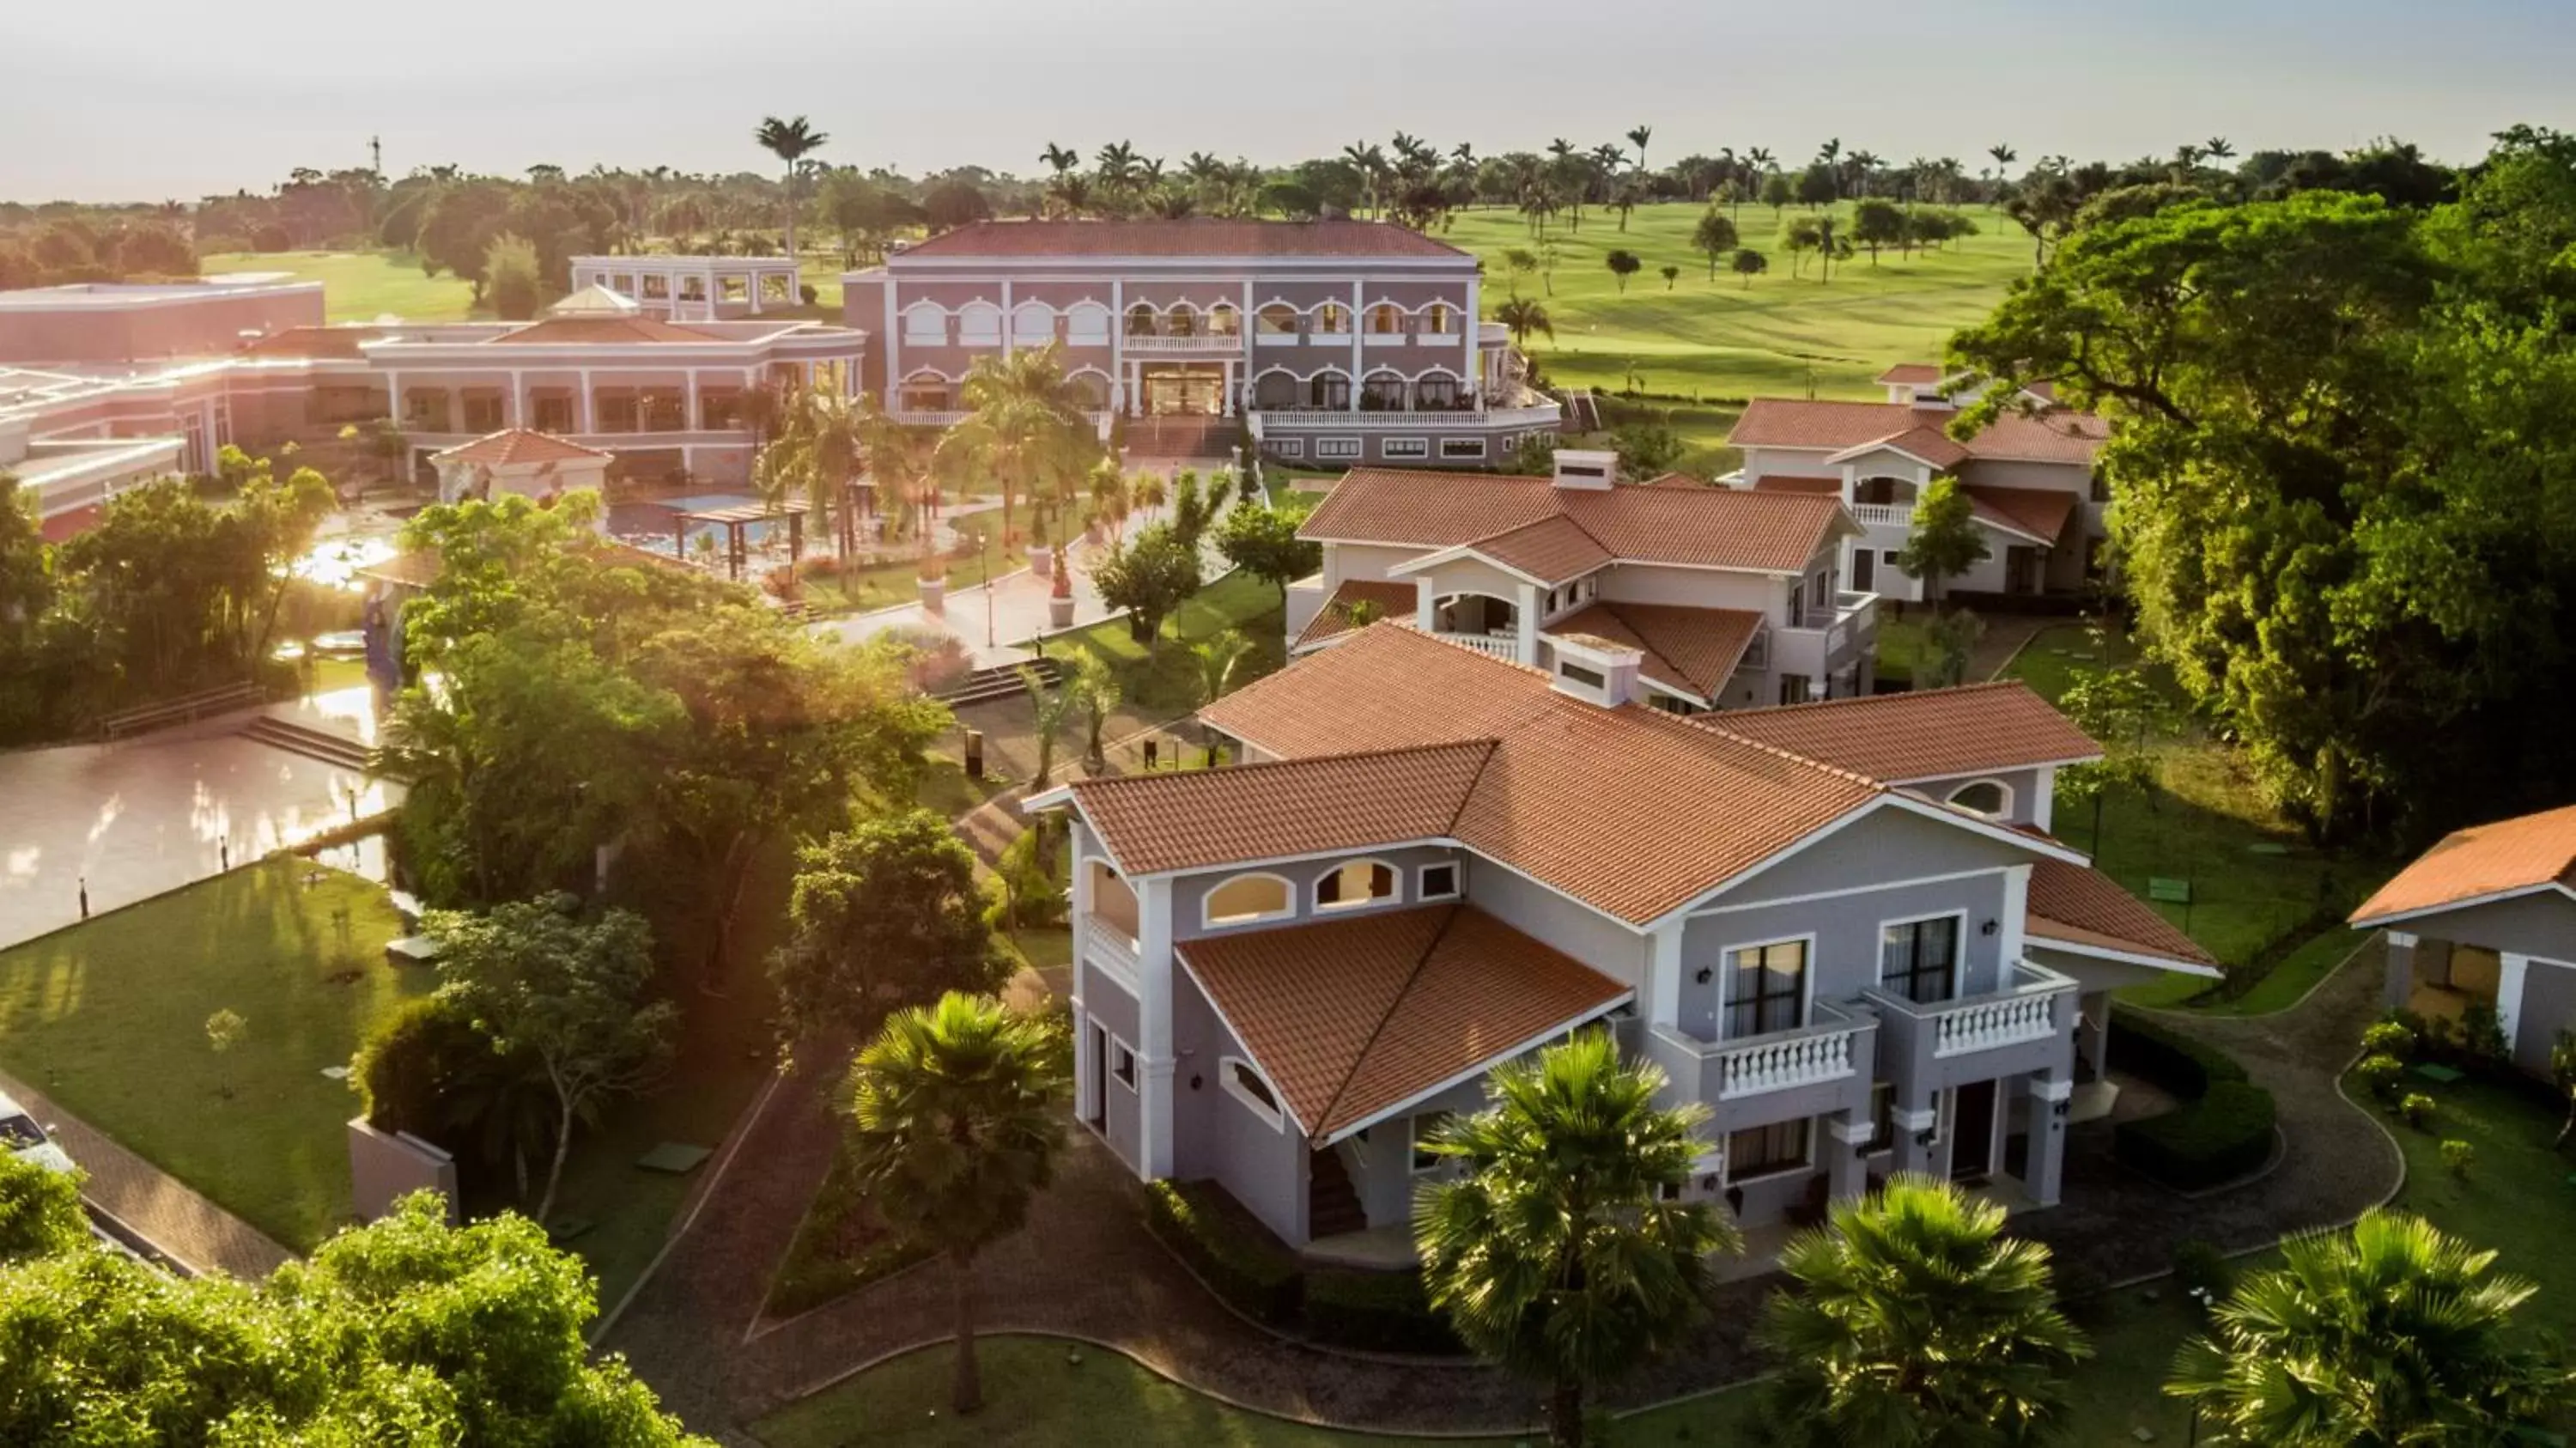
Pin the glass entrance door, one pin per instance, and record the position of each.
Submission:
(1184, 392)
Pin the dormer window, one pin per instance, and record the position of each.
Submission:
(1989, 797)
(1361, 882)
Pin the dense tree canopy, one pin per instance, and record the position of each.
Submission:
(883, 914)
(2345, 494)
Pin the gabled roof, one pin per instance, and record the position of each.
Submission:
(1158, 822)
(1190, 237)
(1549, 551)
(1924, 442)
(2058, 435)
(1353, 1019)
(2085, 909)
(1691, 526)
(1927, 734)
(1629, 810)
(1691, 649)
(2046, 435)
(1911, 374)
(2527, 853)
(519, 445)
(340, 343)
(598, 331)
(1391, 600)
(2038, 514)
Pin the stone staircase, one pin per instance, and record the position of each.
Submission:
(1332, 1205)
(1177, 438)
(303, 739)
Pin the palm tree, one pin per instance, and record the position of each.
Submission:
(2390, 1334)
(791, 142)
(1638, 137)
(2218, 149)
(1864, 166)
(2004, 157)
(954, 1126)
(1563, 1251)
(820, 440)
(1522, 316)
(1024, 428)
(1915, 1322)
(1217, 659)
(1060, 159)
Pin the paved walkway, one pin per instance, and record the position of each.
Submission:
(195, 1232)
(147, 816)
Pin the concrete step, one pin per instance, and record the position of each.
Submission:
(304, 739)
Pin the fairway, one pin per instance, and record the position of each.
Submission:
(360, 286)
(1724, 341)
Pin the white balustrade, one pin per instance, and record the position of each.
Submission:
(1779, 1065)
(1198, 342)
(1998, 1021)
(1501, 648)
(1893, 515)
(926, 417)
(1111, 947)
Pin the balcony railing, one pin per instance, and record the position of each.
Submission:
(1111, 947)
(1500, 646)
(1889, 515)
(1315, 419)
(1820, 647)
(2025, 1010)
(1828, 1048)
(1197, 342)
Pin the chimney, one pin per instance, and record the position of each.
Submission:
(1586, 470)
(1595, 670)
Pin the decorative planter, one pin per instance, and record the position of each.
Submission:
(1059, 613)
(934, 593)
(1042, 561)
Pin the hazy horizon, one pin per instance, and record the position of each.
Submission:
(286, 83)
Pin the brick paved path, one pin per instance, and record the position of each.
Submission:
(171, 1215)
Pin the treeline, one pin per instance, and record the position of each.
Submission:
(2345, 493)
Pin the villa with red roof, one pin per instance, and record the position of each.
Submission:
(1688, 597)
(1333, 341)
(1841, 927)
(2029, 477)
(2487, 917)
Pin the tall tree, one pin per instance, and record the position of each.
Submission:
(1149, 575)
(2392, 1333)
(1638, 136)
(816, 450)
(955, 1125)
(1522, 316)
(883, 914)
(1025, 428)
(1715, 237)
(1563, 1250)
(1913, 1320)
(569, 993)
(1623, 265)
(791, 141)
(1946, 540)
(1748, 264)
(1262, 540)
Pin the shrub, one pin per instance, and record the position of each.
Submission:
(783, 583)
(2388, 1038)
(1375, 1312)
(1241, 1264)
(2459, 1156)
(2441, 1034)
(407, 1072)
(2417, 1108)
(806, 292)
(2482, 1034)
(819, 565)
(2218, 1138)
(2378, 1075)
(2203, 1271)
(2174, 1061)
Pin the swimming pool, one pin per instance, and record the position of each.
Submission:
(649, 525)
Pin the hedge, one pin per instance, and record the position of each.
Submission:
(2221, 1130)
(1375, 1312)
(1259, 1277)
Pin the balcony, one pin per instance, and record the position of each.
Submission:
(1835, 1047)
(1195, 344)
(1501, 646)
(1819, 650)
(1111, 948)
(2028, 1025)
(1334, 419)
(1884, 515)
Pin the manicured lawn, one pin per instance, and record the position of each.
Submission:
(2254, 878)
(1722, 340)
(360, 286)
(2519, 1193)
(110, 1019)
(887, 583)
(1165, 679)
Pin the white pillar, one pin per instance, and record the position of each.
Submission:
(1359, 342)
(1664, 976)
(2016, 911)
(1227, 401)
(1471, 325)
(1010, 323)
(582, 419)
(2511, 971)
(1528, 620)
(893, 347)
(1154, 1026)
(1426, 611)
(393, 401)
(2044, 807)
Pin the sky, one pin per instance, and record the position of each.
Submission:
(148, 100)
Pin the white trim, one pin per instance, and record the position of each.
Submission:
(2466, 902)
(1467, 552)
(1180, 957)
(1916, 781)
(1958, 952)
(1287, 892)
(1134, 1081)
(2054, 1088)
(1421, 882)
(1699, 904)
(1394, 895)
(2513, 972)
(2036, 940)
(1275, 1115)
(1725, 979)
(1386, 449)
(1562, 1028)
(2003, 812)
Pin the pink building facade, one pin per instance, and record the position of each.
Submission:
(1334, 341)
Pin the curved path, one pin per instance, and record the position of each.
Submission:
(1086, 1267)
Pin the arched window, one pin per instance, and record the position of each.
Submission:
(1087, 325)
(1989, 797)
(1361, 882)
(1333, 318)
(1329, 390)
(1435, 392)
(1244, 1082)
(1140, 320)
(1032, 324)
(1382, 392)
(925, 325)
(1438, 320)
(1385, 319)
(1278, 319)
(1274, 390)
(926, 392)
(1224, 321)
(979, 324)
(1091, 388)
(1247, 898)
(1181, 321)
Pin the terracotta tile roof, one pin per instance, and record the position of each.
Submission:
(1157, 822)
(2057, 435)
(1929, 734)
(1798, 483)
(2039, 512)
(1925, 441)
(1911, 374)
(1695, 649)
(2080, 906)
(1353, 1018)
(1628, 809)
(2490, 859)
(519, 445)
(1552, 550)
(317, 342)
(1194, 237)
(598, 331)
(1393, 600)
(1703, 527)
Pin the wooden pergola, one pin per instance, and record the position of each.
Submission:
(733, 520)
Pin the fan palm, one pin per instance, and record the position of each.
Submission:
(1024, 429)
(1562, 1251)
(2390, 1334)
(791, 142)
(955, 1127)
(1522, 316)
(1915, 1323)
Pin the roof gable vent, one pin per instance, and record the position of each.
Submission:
(1586, 469)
